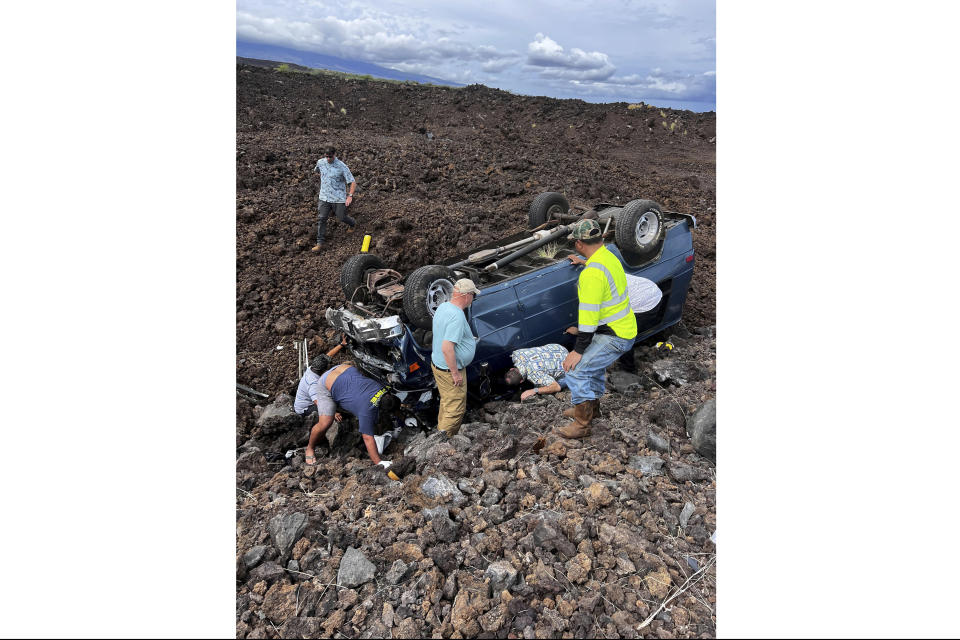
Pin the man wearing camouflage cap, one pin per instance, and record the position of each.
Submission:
(605, 323)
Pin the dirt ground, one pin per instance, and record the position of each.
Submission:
(438, 171)
(503, 531)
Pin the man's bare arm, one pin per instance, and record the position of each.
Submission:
(371, 445)
(449, 354)
(553, 387)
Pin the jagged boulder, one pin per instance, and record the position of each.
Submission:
(703, 430)
(285, 530)
(279, 416)
(355, 569)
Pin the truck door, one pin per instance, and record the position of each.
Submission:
(496, 320)
(548, 303)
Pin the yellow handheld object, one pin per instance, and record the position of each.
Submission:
(391, 474)
(366, 244)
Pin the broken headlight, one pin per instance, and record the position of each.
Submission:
(365, 329)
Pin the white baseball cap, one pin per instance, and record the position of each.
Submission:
(466, 285)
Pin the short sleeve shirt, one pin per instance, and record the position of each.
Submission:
(306, 391)
(540, 365)
(450, 323)
(644, 294)
(334, 178)
(358, 394)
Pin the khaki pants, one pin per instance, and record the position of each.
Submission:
(453, 401)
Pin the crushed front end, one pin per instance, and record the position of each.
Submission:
(384, 349)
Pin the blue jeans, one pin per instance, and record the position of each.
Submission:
(587, 379)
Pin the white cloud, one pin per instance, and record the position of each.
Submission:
(371, 39)
(576, 64)
(667, 86)
(596, 75)
(461, 75)
(663, 48)
(496, 66)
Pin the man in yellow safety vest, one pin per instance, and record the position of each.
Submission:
(605, 323)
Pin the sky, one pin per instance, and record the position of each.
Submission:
(661, 52)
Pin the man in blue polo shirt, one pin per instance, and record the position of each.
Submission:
(336, 193)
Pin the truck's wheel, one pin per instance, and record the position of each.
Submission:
(426, 289)
(639, 231)
(545, 206)
(353, 275)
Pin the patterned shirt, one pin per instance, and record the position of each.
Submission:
(540, 365)
(334, 178)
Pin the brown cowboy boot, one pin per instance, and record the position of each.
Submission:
(595, 409)
(580, 427)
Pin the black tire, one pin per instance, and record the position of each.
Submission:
(353, 275)
(635, 233)
(424, 291)
(545, 206)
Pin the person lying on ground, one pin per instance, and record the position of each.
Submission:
(543, 366)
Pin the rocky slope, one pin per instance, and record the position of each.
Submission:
(505, 530)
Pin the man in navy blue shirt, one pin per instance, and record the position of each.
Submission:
(346, 387)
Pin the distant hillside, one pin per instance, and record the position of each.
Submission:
(266, 53)
(271, 64)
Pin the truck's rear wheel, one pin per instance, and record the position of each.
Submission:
(426, 289)
(353, 275)
(639, 231)
(546, 206)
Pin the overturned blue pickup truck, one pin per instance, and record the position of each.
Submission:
(528, 293)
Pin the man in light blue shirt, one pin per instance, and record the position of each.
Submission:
(453, 349)
(335, 181)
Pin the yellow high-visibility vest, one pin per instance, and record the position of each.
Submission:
(602, 290)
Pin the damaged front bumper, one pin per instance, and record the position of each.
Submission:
(364, 329)
(384, 350)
